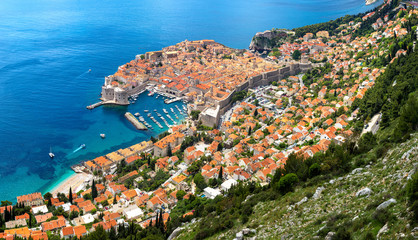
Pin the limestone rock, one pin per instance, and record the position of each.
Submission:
(357, 170)
(305, 199)
(329, 236)
(364, 192)
(239, 236)
(386, 204)
(318, 192)
(175, 233)
(381, 231)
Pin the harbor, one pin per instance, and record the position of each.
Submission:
(132, 97)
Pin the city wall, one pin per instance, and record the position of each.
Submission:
(256, 81)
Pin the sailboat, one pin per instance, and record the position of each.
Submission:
(51, 155)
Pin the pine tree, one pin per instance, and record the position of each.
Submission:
(94, 190)
(70, 196)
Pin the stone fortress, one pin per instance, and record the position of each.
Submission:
(114, 94)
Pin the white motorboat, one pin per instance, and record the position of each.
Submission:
(51, 155)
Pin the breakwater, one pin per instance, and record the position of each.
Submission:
(131, 118)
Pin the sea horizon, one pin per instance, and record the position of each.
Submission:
(49, 46)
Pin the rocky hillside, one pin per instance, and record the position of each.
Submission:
(267, 40)
(368, 203)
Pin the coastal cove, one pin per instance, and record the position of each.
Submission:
(49, 46)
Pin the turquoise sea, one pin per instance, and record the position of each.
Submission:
(48, 46)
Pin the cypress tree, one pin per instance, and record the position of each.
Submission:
(161, 223)
(169, 152)
(70, 196)
(30, 220)
(93, 190)
(114, 199)
(220, 173)
(12, 214)
(156, 220)
(6, 215)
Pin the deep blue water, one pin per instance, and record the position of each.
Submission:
(47, 47)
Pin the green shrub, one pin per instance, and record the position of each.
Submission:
(369, 236)
(412, 188)
(314, 170)
(412, 194)
(383, 216)
(244, 219)
(342, 234)
(414, 209)
(287, 182)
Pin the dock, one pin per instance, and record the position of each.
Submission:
(109, 102)
(138, 125)
(93, 106)
(172, 100)
(79, 168)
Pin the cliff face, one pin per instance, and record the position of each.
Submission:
(267, 40)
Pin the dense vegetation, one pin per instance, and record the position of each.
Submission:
(334, 26)
(395, 96)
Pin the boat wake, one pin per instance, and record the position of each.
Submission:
(77, 149)
(83, 74)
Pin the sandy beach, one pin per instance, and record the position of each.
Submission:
(75, 182)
